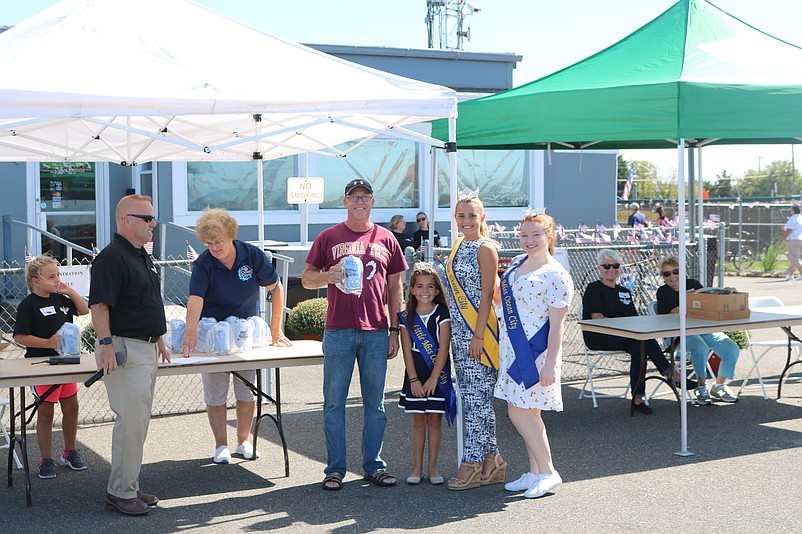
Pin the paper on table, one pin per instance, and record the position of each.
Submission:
(191, 360)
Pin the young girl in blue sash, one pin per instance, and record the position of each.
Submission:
(427, 392)
(535, 294)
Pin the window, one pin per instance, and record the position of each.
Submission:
(499, 175)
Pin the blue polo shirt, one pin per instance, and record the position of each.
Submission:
(234, 291)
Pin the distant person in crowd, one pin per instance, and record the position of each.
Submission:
(225, 282)
(422, 233)
(699, 346)
(662, 220)
(636, 217)
(357, 327)
(792, 234)
(471, 271)
(40, 315)
(427, 392)
(607, 298)
(128, 316)
(535, 295)
(397, 227)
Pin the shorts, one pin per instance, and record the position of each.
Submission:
(215, 387)
(62, 391)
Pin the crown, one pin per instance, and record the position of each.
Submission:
(531, 212)
(467, 194)
(424, 266)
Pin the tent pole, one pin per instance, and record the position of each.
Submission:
(682, 300)
(691, 153)
(452, 174)
(305, 206)
(434, 200)
(700, 217)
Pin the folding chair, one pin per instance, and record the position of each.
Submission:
(592, 359)
(764, 302)
(3, 404)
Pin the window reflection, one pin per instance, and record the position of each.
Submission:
(499, 175)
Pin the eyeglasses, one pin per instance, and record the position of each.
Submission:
(147, 218)
(215, 244)
(360, 198)
(610, 265)
(421, 219)
(666, 274)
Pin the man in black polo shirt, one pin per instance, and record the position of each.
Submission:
(128, 315)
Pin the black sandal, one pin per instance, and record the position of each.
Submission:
(333, 482)
(381, 478)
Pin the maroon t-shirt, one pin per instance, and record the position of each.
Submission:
(381, 256)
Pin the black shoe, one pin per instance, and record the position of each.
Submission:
(690, 385)
(643, 408)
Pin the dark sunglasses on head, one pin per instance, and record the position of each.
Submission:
(421, 219)
(146, 218)
(666, 274)
(610, 265)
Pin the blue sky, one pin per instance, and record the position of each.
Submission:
(548, 34)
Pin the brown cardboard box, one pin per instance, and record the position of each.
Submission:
(718, 307)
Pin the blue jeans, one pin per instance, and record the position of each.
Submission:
(340, 349)
(698, 347)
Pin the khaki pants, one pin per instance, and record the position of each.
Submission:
(130, 389)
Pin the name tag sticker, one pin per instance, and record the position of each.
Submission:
(48, 310)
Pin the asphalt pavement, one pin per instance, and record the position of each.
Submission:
(621, 473)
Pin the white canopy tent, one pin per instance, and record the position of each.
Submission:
(170, 80)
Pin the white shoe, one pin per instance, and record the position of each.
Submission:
(222, 455)
(526, 481)
(789, 276)
(245, 449)
(545, 484)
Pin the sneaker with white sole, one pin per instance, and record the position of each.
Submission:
(222, 455)
(789, 276)
(702, 394)
(545, 484)
(47, 468)
(245, 449)
(721, 392)
(526, 481)
(72, 460)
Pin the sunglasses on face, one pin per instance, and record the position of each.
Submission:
(666, 274)
(610, 265)
(147, 218)
(421, 219)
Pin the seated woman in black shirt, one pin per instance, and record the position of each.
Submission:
(397, 226)
(607, 298)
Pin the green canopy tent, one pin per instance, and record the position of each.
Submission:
(693, 76)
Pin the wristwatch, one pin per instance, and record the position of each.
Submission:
(106, 341)
(395, 329)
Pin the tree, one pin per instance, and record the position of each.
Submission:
(723, 187)
(762, 183)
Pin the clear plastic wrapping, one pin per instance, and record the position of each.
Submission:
(69, 340)
(351, 283)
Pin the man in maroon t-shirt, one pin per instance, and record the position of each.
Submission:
(357, 329)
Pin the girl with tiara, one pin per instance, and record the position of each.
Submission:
(535, 294)
(471, 271)
(427, 392)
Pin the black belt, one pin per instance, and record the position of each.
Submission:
(146, 339)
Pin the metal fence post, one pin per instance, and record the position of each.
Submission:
(722, 252)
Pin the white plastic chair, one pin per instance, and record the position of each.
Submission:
(3, 403)
(764, 302)
(589, 387)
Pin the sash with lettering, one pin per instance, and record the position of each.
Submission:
(523, 369)
(428, 348)
(470, 313)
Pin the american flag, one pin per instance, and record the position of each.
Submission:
(191, 254)
(628, 185)
(149, 247)
(28, 256)
(561, 231)
(616, 230)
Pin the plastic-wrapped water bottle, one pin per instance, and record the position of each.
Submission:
(259, 332)
(244, 341)
(205, 332)
(178, 329)
(69, 341)
(222, 338)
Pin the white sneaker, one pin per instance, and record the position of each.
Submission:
(222, 455)
(245, 449)
(789, 276)
(526, 481)
(545, 484)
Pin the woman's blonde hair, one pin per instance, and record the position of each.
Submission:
(34, 269)
(484, 231)
(608, 253)
(394, 221)
(548, 225)
(216, 223)
(669, 260)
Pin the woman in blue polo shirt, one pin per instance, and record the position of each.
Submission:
(225, 281)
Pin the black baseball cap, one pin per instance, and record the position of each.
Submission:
(359, 182)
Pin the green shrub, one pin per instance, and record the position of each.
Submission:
(770, 255)
(88, 338)
(739, 337)
(308, 318)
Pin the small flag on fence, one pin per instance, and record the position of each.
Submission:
(628, 185)
(28, 256)
(149, 247)
(616, 230)
(191, 254)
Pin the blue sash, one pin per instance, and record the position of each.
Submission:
(428, 348)
(522, 369)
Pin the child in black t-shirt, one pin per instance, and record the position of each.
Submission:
(50, 304)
